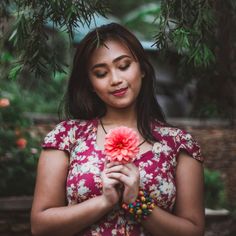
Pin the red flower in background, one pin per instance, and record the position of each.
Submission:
(4, 102)
(121, 145)
(21, 143)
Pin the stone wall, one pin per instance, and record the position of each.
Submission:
(218, 143)
(15, 216)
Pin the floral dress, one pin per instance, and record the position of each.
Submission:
(157, 170)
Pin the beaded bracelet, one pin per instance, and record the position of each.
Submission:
(141, 208)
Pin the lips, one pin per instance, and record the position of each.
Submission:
(120, 92)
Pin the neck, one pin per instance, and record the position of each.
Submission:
(120, 117)
(113, 120)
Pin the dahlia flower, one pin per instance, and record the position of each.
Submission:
(121, 144)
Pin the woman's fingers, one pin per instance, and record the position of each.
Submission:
(128, 174)
(119, 176)
(126, 180)
(118, 168)
(110, 181)
(124, 168)
(111, 164)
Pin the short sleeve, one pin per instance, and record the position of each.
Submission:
(61, 137)
(187, 143)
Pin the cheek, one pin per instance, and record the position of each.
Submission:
(135, 74)
(136, 80)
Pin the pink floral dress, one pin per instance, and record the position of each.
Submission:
(157, 170)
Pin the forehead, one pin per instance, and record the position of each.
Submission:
(110, 50)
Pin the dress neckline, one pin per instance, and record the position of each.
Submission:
(95, 146)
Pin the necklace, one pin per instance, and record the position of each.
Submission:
(106, 133)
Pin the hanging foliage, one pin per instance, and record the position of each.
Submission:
(188, 27)
(29, 35)
(185, 25)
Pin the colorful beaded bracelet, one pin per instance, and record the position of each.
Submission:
(141, 208)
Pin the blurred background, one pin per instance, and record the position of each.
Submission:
(192, 46)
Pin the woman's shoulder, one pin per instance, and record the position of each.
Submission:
(73, 127)
(166, 129)
(64, 134)
(177, 138)
(75, 123)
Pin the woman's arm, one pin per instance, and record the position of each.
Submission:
(50, 215)
(188, 217)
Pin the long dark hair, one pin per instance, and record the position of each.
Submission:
(80, 102)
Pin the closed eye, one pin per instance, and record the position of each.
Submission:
(100, 74)
(124, 67)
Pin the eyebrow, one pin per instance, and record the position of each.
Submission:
(115, 60)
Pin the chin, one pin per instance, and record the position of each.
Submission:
(123, 106)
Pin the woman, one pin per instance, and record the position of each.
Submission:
(78, 192)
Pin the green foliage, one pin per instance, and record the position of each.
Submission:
(20, 144)
(208, 109)
(187, 26)
(120, 9)
(17, 167)
(141, 19)
(4, 13)
(29, 35)
(215, 196)
(18, 150)
(34, 95)
(181, 39)
(184, 25)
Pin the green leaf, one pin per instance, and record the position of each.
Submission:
(15, 71)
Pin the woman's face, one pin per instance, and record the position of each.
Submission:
(115, 75)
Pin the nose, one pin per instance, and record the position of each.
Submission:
(115, 78)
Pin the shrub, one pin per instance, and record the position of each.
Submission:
(18, 149)
(215, 196)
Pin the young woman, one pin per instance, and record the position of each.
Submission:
(78, 192)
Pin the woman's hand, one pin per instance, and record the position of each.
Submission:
(110, 187)
(128, 175)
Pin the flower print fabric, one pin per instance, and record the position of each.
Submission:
(157, 170)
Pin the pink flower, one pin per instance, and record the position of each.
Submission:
(21, 143)
(34, 150)
(4, 102)
(121, 145)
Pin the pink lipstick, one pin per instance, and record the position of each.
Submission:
(120, 92)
